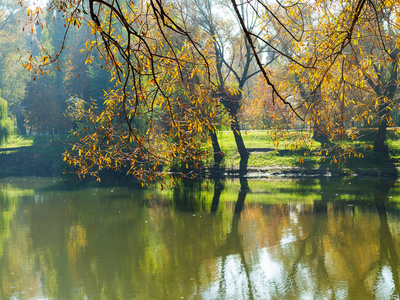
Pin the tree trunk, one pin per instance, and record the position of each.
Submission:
(239, 139)
(319, 134)
(21, 123)
(232, 105)
(379, 144)
(218, 154)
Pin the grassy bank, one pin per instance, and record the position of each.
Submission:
(269, 150)
(33, 156)
(269, 153)
(274, 151)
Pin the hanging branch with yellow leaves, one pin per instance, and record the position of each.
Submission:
(158, 113)
(338, 55)
(342, 64)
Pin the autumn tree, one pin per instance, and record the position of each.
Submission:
(155, 63)
(259, 111)
(5, 122)
(189, 18)
(232, 57)
(12, 44)
(338, 56)
(139, 46)
(377, 59)
(45, 100)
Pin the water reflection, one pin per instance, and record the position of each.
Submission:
(209, 240)
(388, 277)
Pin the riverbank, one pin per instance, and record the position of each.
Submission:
(296, 155)
(33, 156)
(292, 157)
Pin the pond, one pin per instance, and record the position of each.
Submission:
(281, 239)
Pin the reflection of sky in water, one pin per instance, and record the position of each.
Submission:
(293, 217)
(385, 286)
(287, 237)
(268, 279)
(273, 272)
(233, 283)
(264, 275)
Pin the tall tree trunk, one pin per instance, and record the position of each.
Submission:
(218, 154)
(379, 144)
(21, 123)
(235, 126)
(320, 134)
(385, 89)
(232, 105)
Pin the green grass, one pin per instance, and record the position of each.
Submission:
(282, 150)
(298, 150)
(41, 143)
(35, 144)
(19, 141)
(33, 156)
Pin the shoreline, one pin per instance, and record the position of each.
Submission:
(306, 172)
(17, 162)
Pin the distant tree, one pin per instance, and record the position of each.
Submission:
(86, 79)
(44, 111)
(5, 122)
(45, 97)
(12, 43)
(259, 111)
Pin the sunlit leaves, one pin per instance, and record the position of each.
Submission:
(343, 70)
(340, 60)
(158, 113)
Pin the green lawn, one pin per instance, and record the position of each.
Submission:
(293, 149)
(33, 156)
(19, 141)
(41, 144)
(275, 149)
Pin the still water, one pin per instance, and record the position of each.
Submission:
(315, 239)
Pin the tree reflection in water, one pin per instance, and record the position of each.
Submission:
(324, 250)
(233, 250)
(388, 255)
(202, 240)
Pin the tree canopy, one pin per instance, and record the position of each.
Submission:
(338, 62)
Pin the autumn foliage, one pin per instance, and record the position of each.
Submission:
(327, 67)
